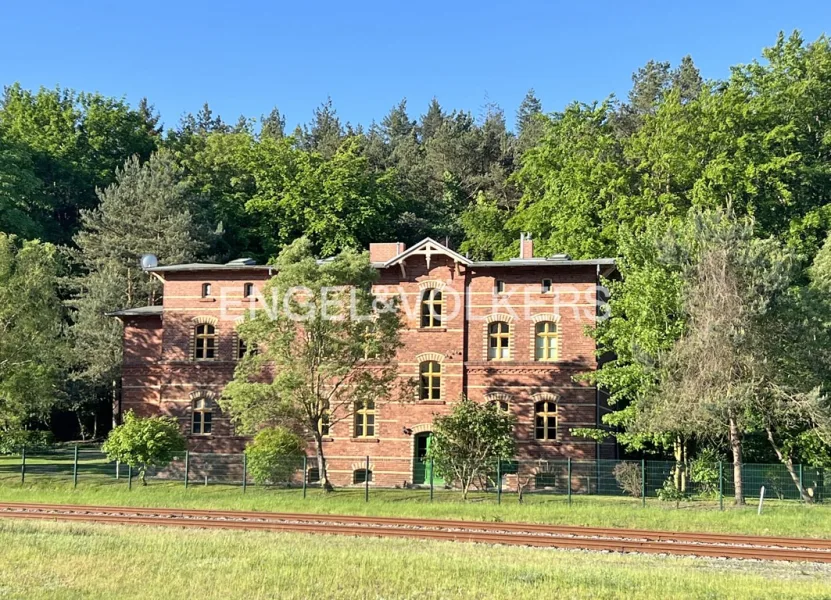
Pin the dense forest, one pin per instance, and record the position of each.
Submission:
(688, 182)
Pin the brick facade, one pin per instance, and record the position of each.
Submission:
(161, 375)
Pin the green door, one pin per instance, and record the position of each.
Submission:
(421, 464)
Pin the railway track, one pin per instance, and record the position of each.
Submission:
(522, 534)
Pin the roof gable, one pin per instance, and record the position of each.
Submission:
(427, 248)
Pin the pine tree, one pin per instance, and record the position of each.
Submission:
(397, 124)
(432, 121)
(324, 133)
(273, 125)
(147, 210)
(529, 125)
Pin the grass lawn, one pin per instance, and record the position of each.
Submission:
(67, 561)
(779, 518)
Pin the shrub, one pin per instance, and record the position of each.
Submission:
(11, 442)
(704, 471)
(274, 455)
(468, 441)
(629, 478)
(142, 443)
(670, 493)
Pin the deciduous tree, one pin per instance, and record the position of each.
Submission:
(323, 352)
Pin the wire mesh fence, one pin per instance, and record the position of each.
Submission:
(638, 480)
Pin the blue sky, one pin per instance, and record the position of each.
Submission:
(245, 57)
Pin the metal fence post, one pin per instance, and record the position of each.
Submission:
(187, 467)
(499, 481)
(643, 482)
(720, 485)
(129, 476)
(820, 484)
(305, 475)
(23, 465)
(244, 471)
(366, 481)
(75, 468)
(569, 481)
(431, 480)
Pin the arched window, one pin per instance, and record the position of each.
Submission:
(365, 419)
(431, 305)
(545, 420)
(545, 341)
(361, 476)
(206, 290)
(201, 420)
(430, 380)
(206, 342)
(499, 341)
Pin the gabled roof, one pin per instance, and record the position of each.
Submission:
(427, 248)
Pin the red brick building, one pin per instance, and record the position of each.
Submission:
(512, 332)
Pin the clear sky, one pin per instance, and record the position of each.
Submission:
(247, 56)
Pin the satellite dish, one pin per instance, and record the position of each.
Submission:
(149, 261)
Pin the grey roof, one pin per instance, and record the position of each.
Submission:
(545, 262)
(211, 267)
(142, 311)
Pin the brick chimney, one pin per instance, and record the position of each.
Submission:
(526, 246)
(382, 252)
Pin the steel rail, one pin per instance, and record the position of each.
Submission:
(562, 530)
(403, 528)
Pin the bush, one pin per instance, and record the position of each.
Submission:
(629, 478)
(468, 441)
(143, 443)
(11, 442)
(704, 472)
(274, 455)
(670, 493)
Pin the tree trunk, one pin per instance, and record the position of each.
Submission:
(736, 447)
(788, 462)
(81, 429)
(680, 475)
(325, 484)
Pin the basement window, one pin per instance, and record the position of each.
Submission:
(362, 476)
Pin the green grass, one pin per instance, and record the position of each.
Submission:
(779, 518)
(69, 561)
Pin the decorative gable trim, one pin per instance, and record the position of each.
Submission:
(427, 248)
